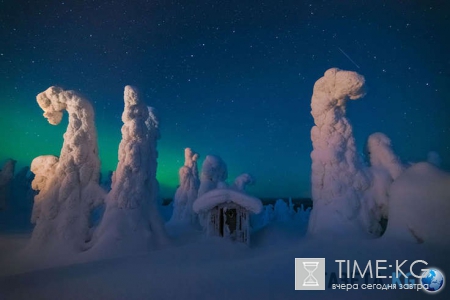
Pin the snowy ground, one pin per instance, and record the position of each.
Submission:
(195, 267)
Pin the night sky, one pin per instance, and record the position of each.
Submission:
(232, 78)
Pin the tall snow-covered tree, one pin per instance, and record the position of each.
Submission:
(338, 176)
(385, 167)
(68, 185)
(187, 192)
(131, 216)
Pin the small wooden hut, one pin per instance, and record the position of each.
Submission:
(227, 213)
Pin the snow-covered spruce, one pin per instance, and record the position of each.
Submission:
(187, 191)
(338, 176)
(381, 155)
(68, 185)
(214, 170)
(242, 181)
(131, 217)
(6, 177)
(385, 167)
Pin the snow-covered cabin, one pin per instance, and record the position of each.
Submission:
(227, 213)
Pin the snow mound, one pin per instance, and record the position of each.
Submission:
(419, 207)
(219, 196)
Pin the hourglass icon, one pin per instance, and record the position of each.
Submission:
(310, 267)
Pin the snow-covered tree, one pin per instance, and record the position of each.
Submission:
(381, 155)
(131, 214)
(68, 185)
(44, 169)
(282, 211)
(385, 167)
(241, 182)
(6, 176)
(188, 190)
(338, 176)
(214, 171)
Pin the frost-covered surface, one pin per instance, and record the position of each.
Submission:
(242, 181)
(214, 170)
(6, 176)
(44, 169)
(68, 186)
(225, 195)
(419, 207)
(385, 167)
(131, 218)
(382, 156)
(212, 268)
(338, 176)
(188, 190)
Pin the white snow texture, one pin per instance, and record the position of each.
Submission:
(241, 182)
(68, 185)
(187, 192)
(131, 213)
(214, 171)
(385, 167)
(419, 207)
(226, 195)
(338, 179)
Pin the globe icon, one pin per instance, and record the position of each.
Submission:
(434, 279)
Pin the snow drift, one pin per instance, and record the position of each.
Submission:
(419, 207)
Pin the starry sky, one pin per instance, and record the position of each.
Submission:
(232, 78)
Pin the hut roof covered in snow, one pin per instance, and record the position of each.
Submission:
(219, 196)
